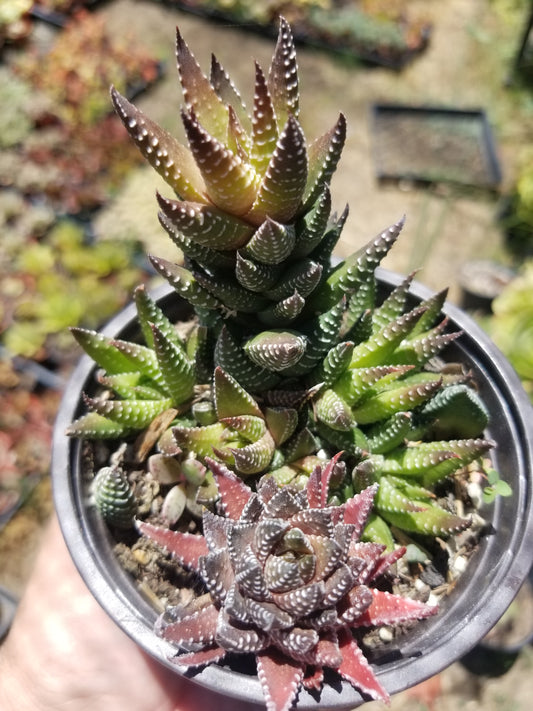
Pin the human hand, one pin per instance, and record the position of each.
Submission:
(64, 652)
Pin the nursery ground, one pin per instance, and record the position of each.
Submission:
(467, 65)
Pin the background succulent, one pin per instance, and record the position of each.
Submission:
(324, 364)
(287, 580)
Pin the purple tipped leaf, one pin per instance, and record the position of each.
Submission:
(186, 548)
(355, 669)
(280, 678)
(234, 493)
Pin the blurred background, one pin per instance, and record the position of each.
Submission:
(439, 102)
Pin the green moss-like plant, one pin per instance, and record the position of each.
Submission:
(61, 280)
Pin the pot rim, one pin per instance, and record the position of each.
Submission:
(417, 655)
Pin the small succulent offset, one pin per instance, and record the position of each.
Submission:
(288, 580)
(293, 358)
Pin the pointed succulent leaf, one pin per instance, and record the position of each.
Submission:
(323, 252)
(302, 277)
(312, 226)
(95, 426)
(389, 609)
(420, 459)
(148, 313)
(284, 312)
(361, 304)
(200, 440)
(187, 548)
(166, 155)
(334, 364)
(232, 399)
(300, 445)
(249, 427)
(358, 508)
(280, 193)
(458, 410)
(264, 128)
(271, 243)
(276, 350)
(283, 76)
(301, 601)
(238, 141)
(281, 502)
(215, 529)
(280, 678)
(396, 503)
(205, 256)
(228, 93)
(185, 284)
(198, 92)
(282, 423)
(142, 359)
(418, 351)
(358, 383)
(331, 409)
(230, 356)
(398, 399)
(206, 224)
(199, 626)
(230, 183)
(128, 386)
(268, 533)
(322, 333)
(388, 434)
(380, 346)
(350, 440)
(177, 371)
(324, 155)
(234, 493)
(254, 457)
(433, 307)
(317, 488)
(255, 276)
(268, 616)
(394, 304)
(282, 574)
(191, 660)
(415, 460)
(102, 350)
(377, 530)
(228, 292)
(357, 268)
(236, 639)
(355, 669)
(130, 413)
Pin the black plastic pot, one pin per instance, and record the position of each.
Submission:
(481, 596)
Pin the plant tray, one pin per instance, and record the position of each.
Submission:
(365, 51)
(434, 145)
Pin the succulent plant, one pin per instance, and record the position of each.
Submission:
(292, 358)
(288, 580)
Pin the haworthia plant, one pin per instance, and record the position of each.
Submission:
(290, 360)
(252, 215)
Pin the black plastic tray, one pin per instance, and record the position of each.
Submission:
(434, 145)
(345, 49)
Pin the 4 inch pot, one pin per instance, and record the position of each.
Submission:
(482, 594)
